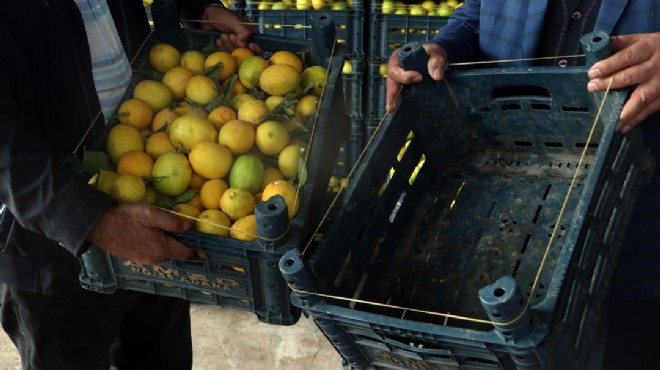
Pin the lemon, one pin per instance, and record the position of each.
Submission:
(187, 210)
(135, 112)
(150, 195)
(176, 79)
(198, 111)
(182, 108)
(210, 159)
(279, 79)
(211, 192)
(245, 228)
(250, 71)
(238, 100)
(238, 87)
(214, 222)
(196, 180)
(135, 162)
(163, 57)
(253, 111)
(158, 144)
(201, 89)
(287, 160)
(153, 92)
(173, 173)
(105, 180)
(247, 172)
(273, 101)
(163, 119)
(271, 174)
(237, 136)
(128, 188)
(286, 57)
(228, 67)
(240, 55)
(193, 60)
(189, 130)
(237, 203)
(271, 137)
(196, 201)
(287, 191)
(306, 107)
(313, 77)
(123, 138)
(221, 115)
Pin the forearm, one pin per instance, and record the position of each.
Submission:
(460, 37)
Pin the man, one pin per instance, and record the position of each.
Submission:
(504, 30)
(50, 96)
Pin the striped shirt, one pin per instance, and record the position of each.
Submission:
(110, 66)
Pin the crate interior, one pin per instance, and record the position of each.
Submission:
(464, 184)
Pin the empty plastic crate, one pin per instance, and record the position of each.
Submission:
(480, 193)
(233, 273)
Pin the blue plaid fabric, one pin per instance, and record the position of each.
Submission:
(511, 29)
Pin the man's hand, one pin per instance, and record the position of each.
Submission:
(236, 30)
(136, 232)
(397, 76)
(637, 62)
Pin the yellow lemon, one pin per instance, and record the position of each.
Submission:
(123, 138)
(238, 100)
(250, 71)
(214, 222)
(287, 160)
(186, 210)
(228, 67)
(189, 130)
(253, 111)
(163, 120)
(286, 57)
(182, 108)
(201, 89)
(163, 57)
(245, 228)
(128, 188)
(193, 60)
(105, 180)
(306, 107)
(241, 54)
(237, 136)
(173, 173)
(158, 144)
(271, 174)
(210, 159)
(198, 111)
(153, 92)
(150, 195)
(313, 78)
(247, 172)
(271, 137)
(237, 203)
(221, 115)
(273, 101)
(238, 87)
(287, 191)
(135, 112)
(279, 79)
(196, 201)
(135, 162)
(176, 79)
(196, 180)
(211, 192)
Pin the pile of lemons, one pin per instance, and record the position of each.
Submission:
(209, 135)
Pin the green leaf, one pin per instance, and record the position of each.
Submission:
(302, 169)
(209, 48)
(95, 161)
(214, 71)
(167, 202)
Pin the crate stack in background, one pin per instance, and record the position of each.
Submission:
(291, 19)
(391, 24)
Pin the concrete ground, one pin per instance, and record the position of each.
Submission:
(231, 339)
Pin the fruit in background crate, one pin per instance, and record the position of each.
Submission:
(429, 6)
(339, 5)
(382, 69)
(348, 67)
(264, 6)
(387, 7)
(163, 57)
(445, 10)
(278, 6)
(318, 4)
(303, 4)
(417, 10)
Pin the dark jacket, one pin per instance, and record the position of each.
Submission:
(47, 103)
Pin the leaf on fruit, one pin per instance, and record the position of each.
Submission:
(166, 202)
(214, 71)
(96, 161)
(302, 169)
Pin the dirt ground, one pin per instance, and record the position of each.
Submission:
(231, 339)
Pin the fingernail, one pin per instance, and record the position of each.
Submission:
(417, 78)
(594, 73)
(591, 86)
(436, 74)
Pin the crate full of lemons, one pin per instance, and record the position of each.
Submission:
(211, 135)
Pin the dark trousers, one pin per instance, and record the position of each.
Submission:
(77, 331)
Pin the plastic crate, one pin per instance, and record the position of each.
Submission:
(350, 150)
(294, 24)
(388, 32)
(376, 88)
(354, 87)
(466, 235)
(235, 273)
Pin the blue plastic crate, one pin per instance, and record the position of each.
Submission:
(350, 150)
(354, 88)
(294, 24)
(376, 88)
(467, 233)
(388, 32)
(229, 272)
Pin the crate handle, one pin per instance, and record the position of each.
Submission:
(412, 56)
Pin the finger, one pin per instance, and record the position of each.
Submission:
(256, 49)
(624, 78)
(243, 38)
(630, 53)
(391, 94)
(224, 43)
(436, 68)
(173, 249)
(644, 101)
(166, 221)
